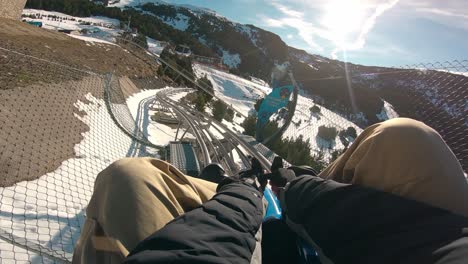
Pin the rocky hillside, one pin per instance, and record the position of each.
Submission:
(244, 48)
(252, 51)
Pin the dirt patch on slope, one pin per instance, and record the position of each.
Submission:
(39, 128)
(38, 98)
(61, 48)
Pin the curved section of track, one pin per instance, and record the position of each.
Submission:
(193, 127)
(195, 115)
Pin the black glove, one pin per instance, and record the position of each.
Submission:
(280, 176)
(254, 176)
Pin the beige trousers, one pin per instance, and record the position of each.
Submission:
(133, 198)
(407, 158)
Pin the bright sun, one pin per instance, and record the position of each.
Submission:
(343, 20)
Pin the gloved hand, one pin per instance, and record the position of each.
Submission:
(254, 176)
(280, 176)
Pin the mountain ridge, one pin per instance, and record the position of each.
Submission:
(355, 91)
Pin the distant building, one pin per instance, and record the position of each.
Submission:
(35, 23)
(104, 2)
(11, 9)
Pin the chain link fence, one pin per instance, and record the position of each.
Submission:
(60, 126)
(438, 96)
(434, 93)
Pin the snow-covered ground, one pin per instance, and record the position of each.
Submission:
(231, 59)
(180, 22)
(237, 160)
(234, 90)
(98, 29)
(242, 95)
(214, 131)
(306, 123)
(157, 133)
(50, 211)
(388, 112)
(155, 46)
(177, 96)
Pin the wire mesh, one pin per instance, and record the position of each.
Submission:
(439, 96)
(61, 126)
(434, 93)
(56, 135)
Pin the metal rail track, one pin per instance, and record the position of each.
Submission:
(266, 164)
(206, 138)
(198, 136)
(230, 164)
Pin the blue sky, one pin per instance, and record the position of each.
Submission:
(371, 32)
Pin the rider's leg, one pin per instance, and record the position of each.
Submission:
(132, 199)
(407, 158)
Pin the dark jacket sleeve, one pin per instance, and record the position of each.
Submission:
(222, 230)
(355, 224)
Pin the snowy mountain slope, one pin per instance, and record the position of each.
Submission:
(242, 95)
(252, 51)
(243, 47)
(136, 3)
(306, 124)
(234, 90)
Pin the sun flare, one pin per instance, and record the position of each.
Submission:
(343, 19)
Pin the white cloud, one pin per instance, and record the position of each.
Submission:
(294, 19)
(290, 36)
(345, 23)
(450, 13)
(287, 11)
(370, 22)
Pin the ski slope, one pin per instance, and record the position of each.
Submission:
(234, 90)
(242, 95)
(306, 123)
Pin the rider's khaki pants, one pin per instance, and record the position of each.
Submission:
(133, 198)
(404, 157)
